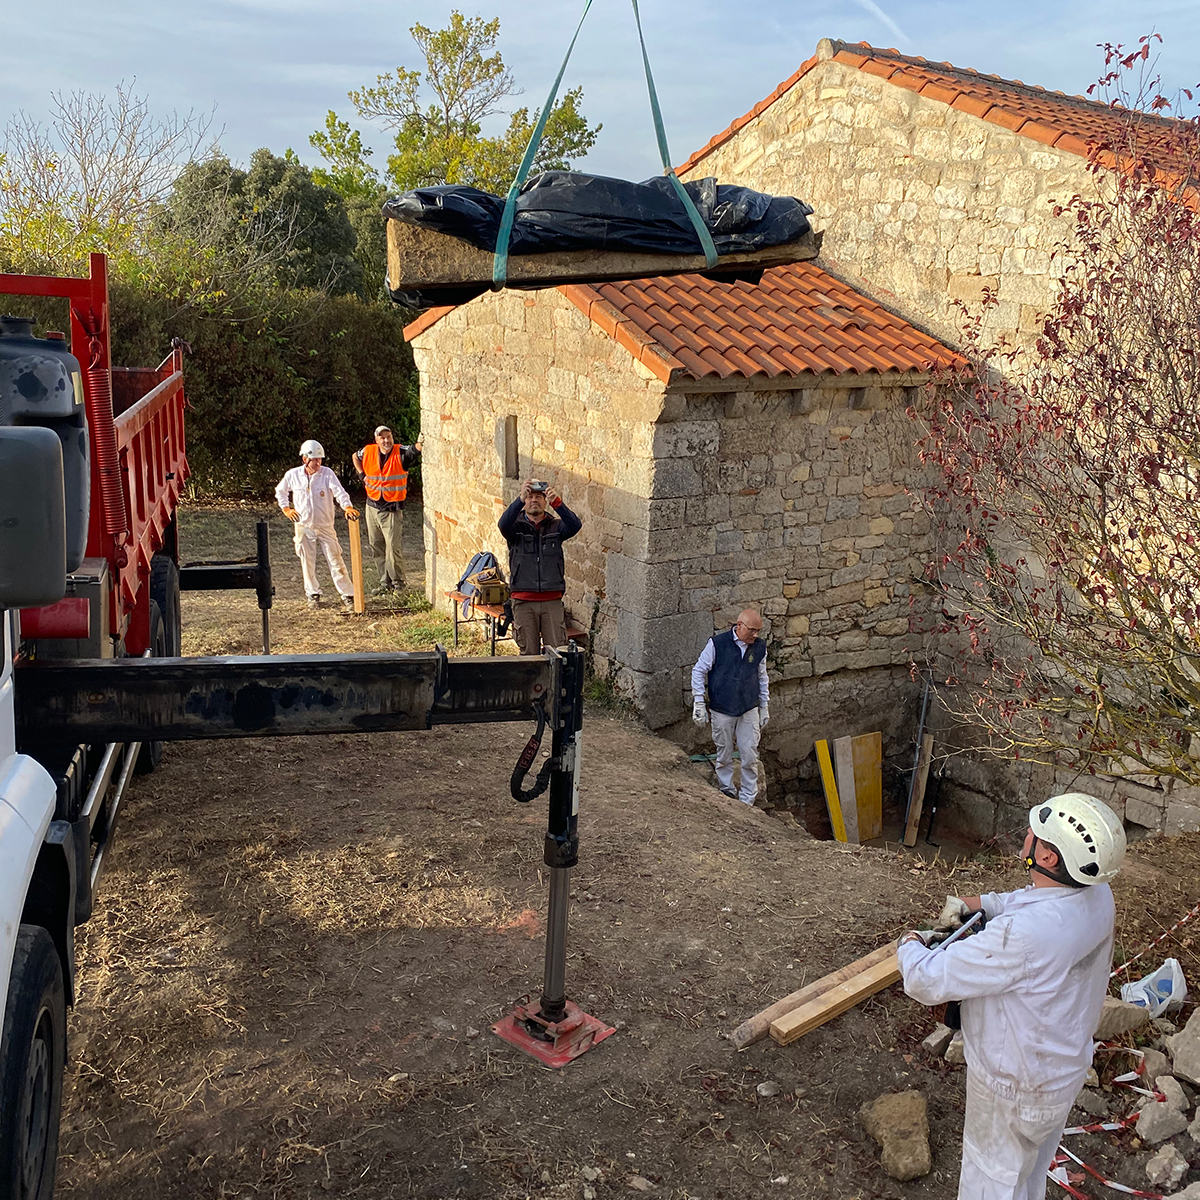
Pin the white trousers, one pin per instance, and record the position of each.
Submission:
(743, 730)
(308, 539)
(1009, 1143)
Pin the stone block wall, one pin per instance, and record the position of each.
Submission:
(920, 203)
(795, 502)
(585, 413)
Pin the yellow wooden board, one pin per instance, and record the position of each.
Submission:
(356, 565)
(867, 752)
(831, 792)
(837, 1000)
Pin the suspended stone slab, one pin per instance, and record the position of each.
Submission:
(447, 270)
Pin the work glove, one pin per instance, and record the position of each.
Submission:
(924, 936)
(352, 513)
(954, 913)
(699, 712)
(763, 717)
(291, 514)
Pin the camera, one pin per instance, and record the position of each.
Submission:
(538, 485)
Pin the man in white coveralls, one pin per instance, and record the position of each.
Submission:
(1032, 984)
(306, 495)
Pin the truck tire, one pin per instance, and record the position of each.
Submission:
(164, 591)
(151, 752)
(32, 1056)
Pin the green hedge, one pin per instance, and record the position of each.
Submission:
(330, 368)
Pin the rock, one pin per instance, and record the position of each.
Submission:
(1164, 1027)
(1185, 1050)
(1158, 1121)
(1154, 1064)
(1193, 1130)
(1191, 1192)
(589, 1193)
(1091, 1079)
(1118, 1017)
(1092, 1103)
(768, 1088)
(954, 1052)
(900, 1124)
(640, 1183)
(590, 1174)
(1170, 1088)
(938, 1040)
(1167, 1167)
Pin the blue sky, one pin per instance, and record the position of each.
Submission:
(274, 67)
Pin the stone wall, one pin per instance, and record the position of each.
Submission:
(585, 413)
(795, 502)
(921, 204)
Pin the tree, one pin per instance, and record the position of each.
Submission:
(89, 180)
(443, 141)
(273, 223)
(1067, 478)
(357, 182)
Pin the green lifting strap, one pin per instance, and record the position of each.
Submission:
(504, 236)
(500, 260)
(702, 233)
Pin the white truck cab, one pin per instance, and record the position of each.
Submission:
(36, 855)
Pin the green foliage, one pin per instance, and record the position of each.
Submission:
(442, 141)
(326, 367)
(274, 214)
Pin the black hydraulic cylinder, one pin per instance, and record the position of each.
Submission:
(561, 851)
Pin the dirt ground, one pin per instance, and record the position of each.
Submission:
(287, 987)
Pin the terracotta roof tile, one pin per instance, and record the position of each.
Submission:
(798, 319)
(1070, 123)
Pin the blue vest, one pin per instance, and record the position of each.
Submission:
(733, 680)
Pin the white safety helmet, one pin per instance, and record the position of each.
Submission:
(312, 449)
(1087, 833)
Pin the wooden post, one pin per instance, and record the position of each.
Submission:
(843, 761)
(918, 794)
(867, 753)
(356, 564)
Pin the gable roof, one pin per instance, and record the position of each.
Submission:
(797, 320)
(1069, 123)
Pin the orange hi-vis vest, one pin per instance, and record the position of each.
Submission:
(386, 480)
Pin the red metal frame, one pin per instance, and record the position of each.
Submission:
(148, 437)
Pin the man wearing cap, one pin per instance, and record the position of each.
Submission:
(537, 571)
(384, 466)
(1032, 985)
(306, 495)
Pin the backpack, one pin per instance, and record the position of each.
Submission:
(489, 586)
(484, 560)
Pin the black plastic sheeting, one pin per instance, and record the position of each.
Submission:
(567, 210)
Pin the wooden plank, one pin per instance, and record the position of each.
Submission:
(843, 761)
(867, 753)
(356, 566)
(421, 260)
(832, 801)
(837, 1000)
(758, 1026)
(918, 792)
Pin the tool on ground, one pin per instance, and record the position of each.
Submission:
(356, 564)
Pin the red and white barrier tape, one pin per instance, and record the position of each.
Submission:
(1182, 921)
(1058, 1173)
(1058, 1168)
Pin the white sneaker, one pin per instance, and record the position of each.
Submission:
(314, 602)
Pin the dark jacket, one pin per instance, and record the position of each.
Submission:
(535, 555)
(733, 680)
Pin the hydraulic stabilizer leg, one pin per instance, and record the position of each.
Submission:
(554, 1030)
